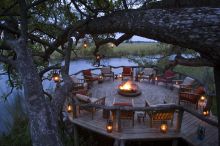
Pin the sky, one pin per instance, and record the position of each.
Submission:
(136, 38)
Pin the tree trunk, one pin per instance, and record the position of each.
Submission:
(42, 119)
(217, 87)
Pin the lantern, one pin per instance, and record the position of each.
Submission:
(205, 112)
(116, 76)
(85, 45)
(100, 77)
(120, 76)
(56, 77)
(109, 126)
(202, 98)
(112, 45)
(156, 78)
(69, 108)
(163, 128)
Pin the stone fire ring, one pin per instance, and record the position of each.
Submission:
(129, 94)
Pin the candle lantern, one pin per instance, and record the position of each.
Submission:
(112, 45)
(85, 45)
(120, 75)
(156, 78)
(164, 128)
(202, 98)
(109, 126)
(201, 132)
(69, 108)
(205, 112)
(56, 77)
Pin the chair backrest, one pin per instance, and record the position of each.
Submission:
(106, 70)
(162, 115)
(169, 73)
(200, 90)
(75, 79)
(188, 81)
(123, 113)
(127, 70)
(87, 74)
(149, 71)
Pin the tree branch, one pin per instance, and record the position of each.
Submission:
(41, 73)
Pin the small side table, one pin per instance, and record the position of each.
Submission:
(140, 116)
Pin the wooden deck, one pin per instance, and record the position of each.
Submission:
(141, 131)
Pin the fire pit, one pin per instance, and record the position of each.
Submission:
(128, 88)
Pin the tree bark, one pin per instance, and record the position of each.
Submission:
(42, 120)
(193, 28)
(217, 88)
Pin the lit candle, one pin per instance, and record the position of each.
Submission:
(163, 128)
(202, 98)
(69, 108)
(109, 126)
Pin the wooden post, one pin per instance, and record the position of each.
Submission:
(76, 137)
(217, 86)
(74, 111)
(119, 142)
(175, 142)
(179, 120)
(118, 121)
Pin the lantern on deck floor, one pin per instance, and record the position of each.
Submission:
(205, 112)
(164, 128)
(109, 126)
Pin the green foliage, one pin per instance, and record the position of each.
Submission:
(19, 135)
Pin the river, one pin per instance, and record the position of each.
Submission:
(8, 107)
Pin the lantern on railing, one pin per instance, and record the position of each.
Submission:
(164, 127)
(109, 126)
(56, 76)
(202, 98)
(85, 45)
(69, 108)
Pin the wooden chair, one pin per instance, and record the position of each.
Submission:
(123, 113)
(159, 115)
(83, 100)
(89, 77)
(184, 85)
(127, 72)
(193, 96)
(147, 73)
(107, 72)
(167, 77)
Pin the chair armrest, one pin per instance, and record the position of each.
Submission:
(100, 101)
(179, 81)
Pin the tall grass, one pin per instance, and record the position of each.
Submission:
(16, 122)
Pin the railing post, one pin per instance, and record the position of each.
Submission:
(76, 136)
(118, 120)
(179, 120)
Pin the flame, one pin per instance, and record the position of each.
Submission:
(128, 86)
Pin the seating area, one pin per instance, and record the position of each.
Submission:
(155, 106)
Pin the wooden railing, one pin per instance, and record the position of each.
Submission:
(170, 107)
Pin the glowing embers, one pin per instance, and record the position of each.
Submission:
(129, 88)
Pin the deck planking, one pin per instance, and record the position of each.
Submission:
(154, 94)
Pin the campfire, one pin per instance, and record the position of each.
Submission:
(128, 88)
